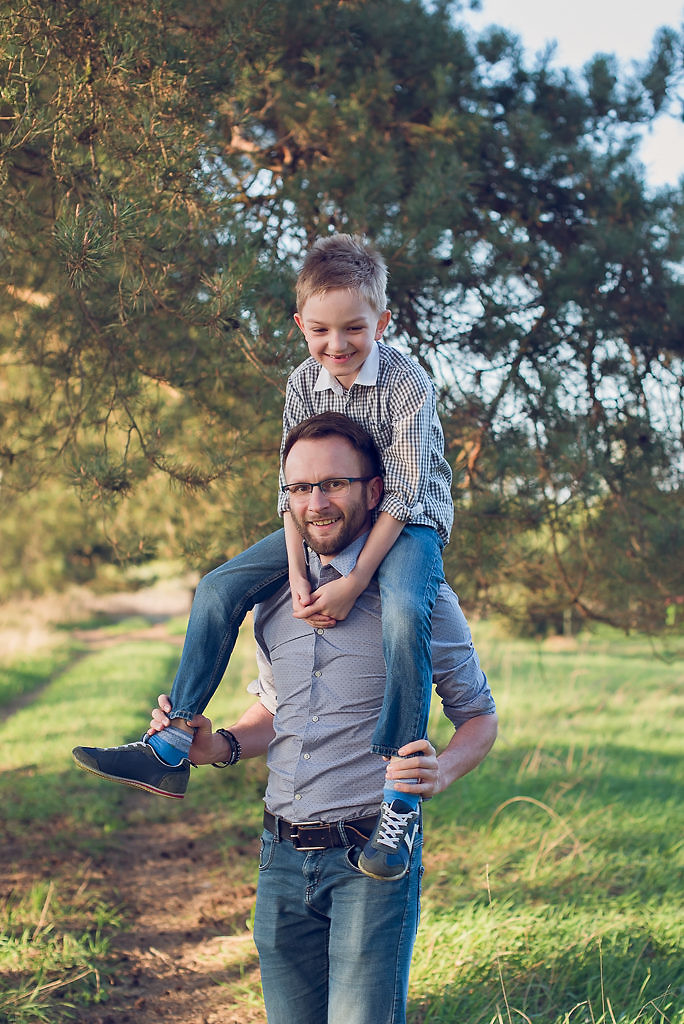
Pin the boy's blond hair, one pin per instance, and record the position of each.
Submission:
(343, 261)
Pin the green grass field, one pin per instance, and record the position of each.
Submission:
(553, 884)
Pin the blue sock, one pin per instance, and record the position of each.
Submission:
(389, 793)
(172, 745)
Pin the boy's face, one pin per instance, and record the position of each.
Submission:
(341, 328)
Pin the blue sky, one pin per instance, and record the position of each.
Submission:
(584, 27)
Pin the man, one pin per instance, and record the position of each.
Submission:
(335, 944)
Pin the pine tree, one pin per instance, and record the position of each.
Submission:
(162, 172)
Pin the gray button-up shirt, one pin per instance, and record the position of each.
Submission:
(325, 688)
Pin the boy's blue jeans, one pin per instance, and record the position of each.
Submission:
(408, 578)
(334, 945)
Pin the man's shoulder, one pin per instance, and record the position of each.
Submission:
(263, 610)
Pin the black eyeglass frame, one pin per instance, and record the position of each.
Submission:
(286, 488)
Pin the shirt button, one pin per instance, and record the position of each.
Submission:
(320, 632)
(314, 718)
(307, 757)
(298, 796)
(318, 674)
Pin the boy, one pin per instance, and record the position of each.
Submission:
(341, 310)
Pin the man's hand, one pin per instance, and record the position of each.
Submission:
(418, 761)
(205, 743)
(334, 600)
(160, 719)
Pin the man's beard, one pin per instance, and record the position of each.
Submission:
(346, 529)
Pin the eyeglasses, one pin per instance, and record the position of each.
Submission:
(335, 487)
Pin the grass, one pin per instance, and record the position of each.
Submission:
(55, 930)
(552, 890)
(44, 957)
(22, 675)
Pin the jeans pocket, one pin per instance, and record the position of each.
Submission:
(352, 857)
(266, 850)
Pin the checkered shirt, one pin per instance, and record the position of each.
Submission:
(395, 401)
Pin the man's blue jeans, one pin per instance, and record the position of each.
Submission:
(334, 945)
(408, 578)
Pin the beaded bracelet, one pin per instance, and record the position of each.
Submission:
(235, 749)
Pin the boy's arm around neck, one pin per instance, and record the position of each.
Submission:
(380, 541)
(300, 588)
(299, 581)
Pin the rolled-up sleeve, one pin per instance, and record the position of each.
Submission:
(407, 459)
(457, 673)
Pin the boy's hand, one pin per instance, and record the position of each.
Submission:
(300, 589)
(334, 600)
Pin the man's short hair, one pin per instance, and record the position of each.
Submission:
(343, 261)
(335, 424)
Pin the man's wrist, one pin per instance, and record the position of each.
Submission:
(233, 746)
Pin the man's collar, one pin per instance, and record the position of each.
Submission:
(367, 376)
(344, 561)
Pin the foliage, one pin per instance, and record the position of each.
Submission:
(162, 170)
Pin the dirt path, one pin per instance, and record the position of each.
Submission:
(190, 939)
(186, 941)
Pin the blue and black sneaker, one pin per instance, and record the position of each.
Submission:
(135, 764)
(387, 854)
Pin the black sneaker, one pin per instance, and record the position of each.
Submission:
(135, 764)
(387, 853)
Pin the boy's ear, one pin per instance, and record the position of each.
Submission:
(298, 321)
(382, 324)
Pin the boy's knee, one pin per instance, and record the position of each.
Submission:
(401, 619)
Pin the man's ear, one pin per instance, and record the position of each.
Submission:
(374, 492)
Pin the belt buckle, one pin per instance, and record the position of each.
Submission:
(295, 837)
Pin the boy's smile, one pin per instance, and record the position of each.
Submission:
(340, 328)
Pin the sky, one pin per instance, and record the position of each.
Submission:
(582, 28)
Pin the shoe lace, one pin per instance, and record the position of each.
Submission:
(392, 826)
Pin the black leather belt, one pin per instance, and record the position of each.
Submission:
(320, 835)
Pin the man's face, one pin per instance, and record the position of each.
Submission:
(341, 328)
(328, 522)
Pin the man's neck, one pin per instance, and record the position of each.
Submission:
(354, 544)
